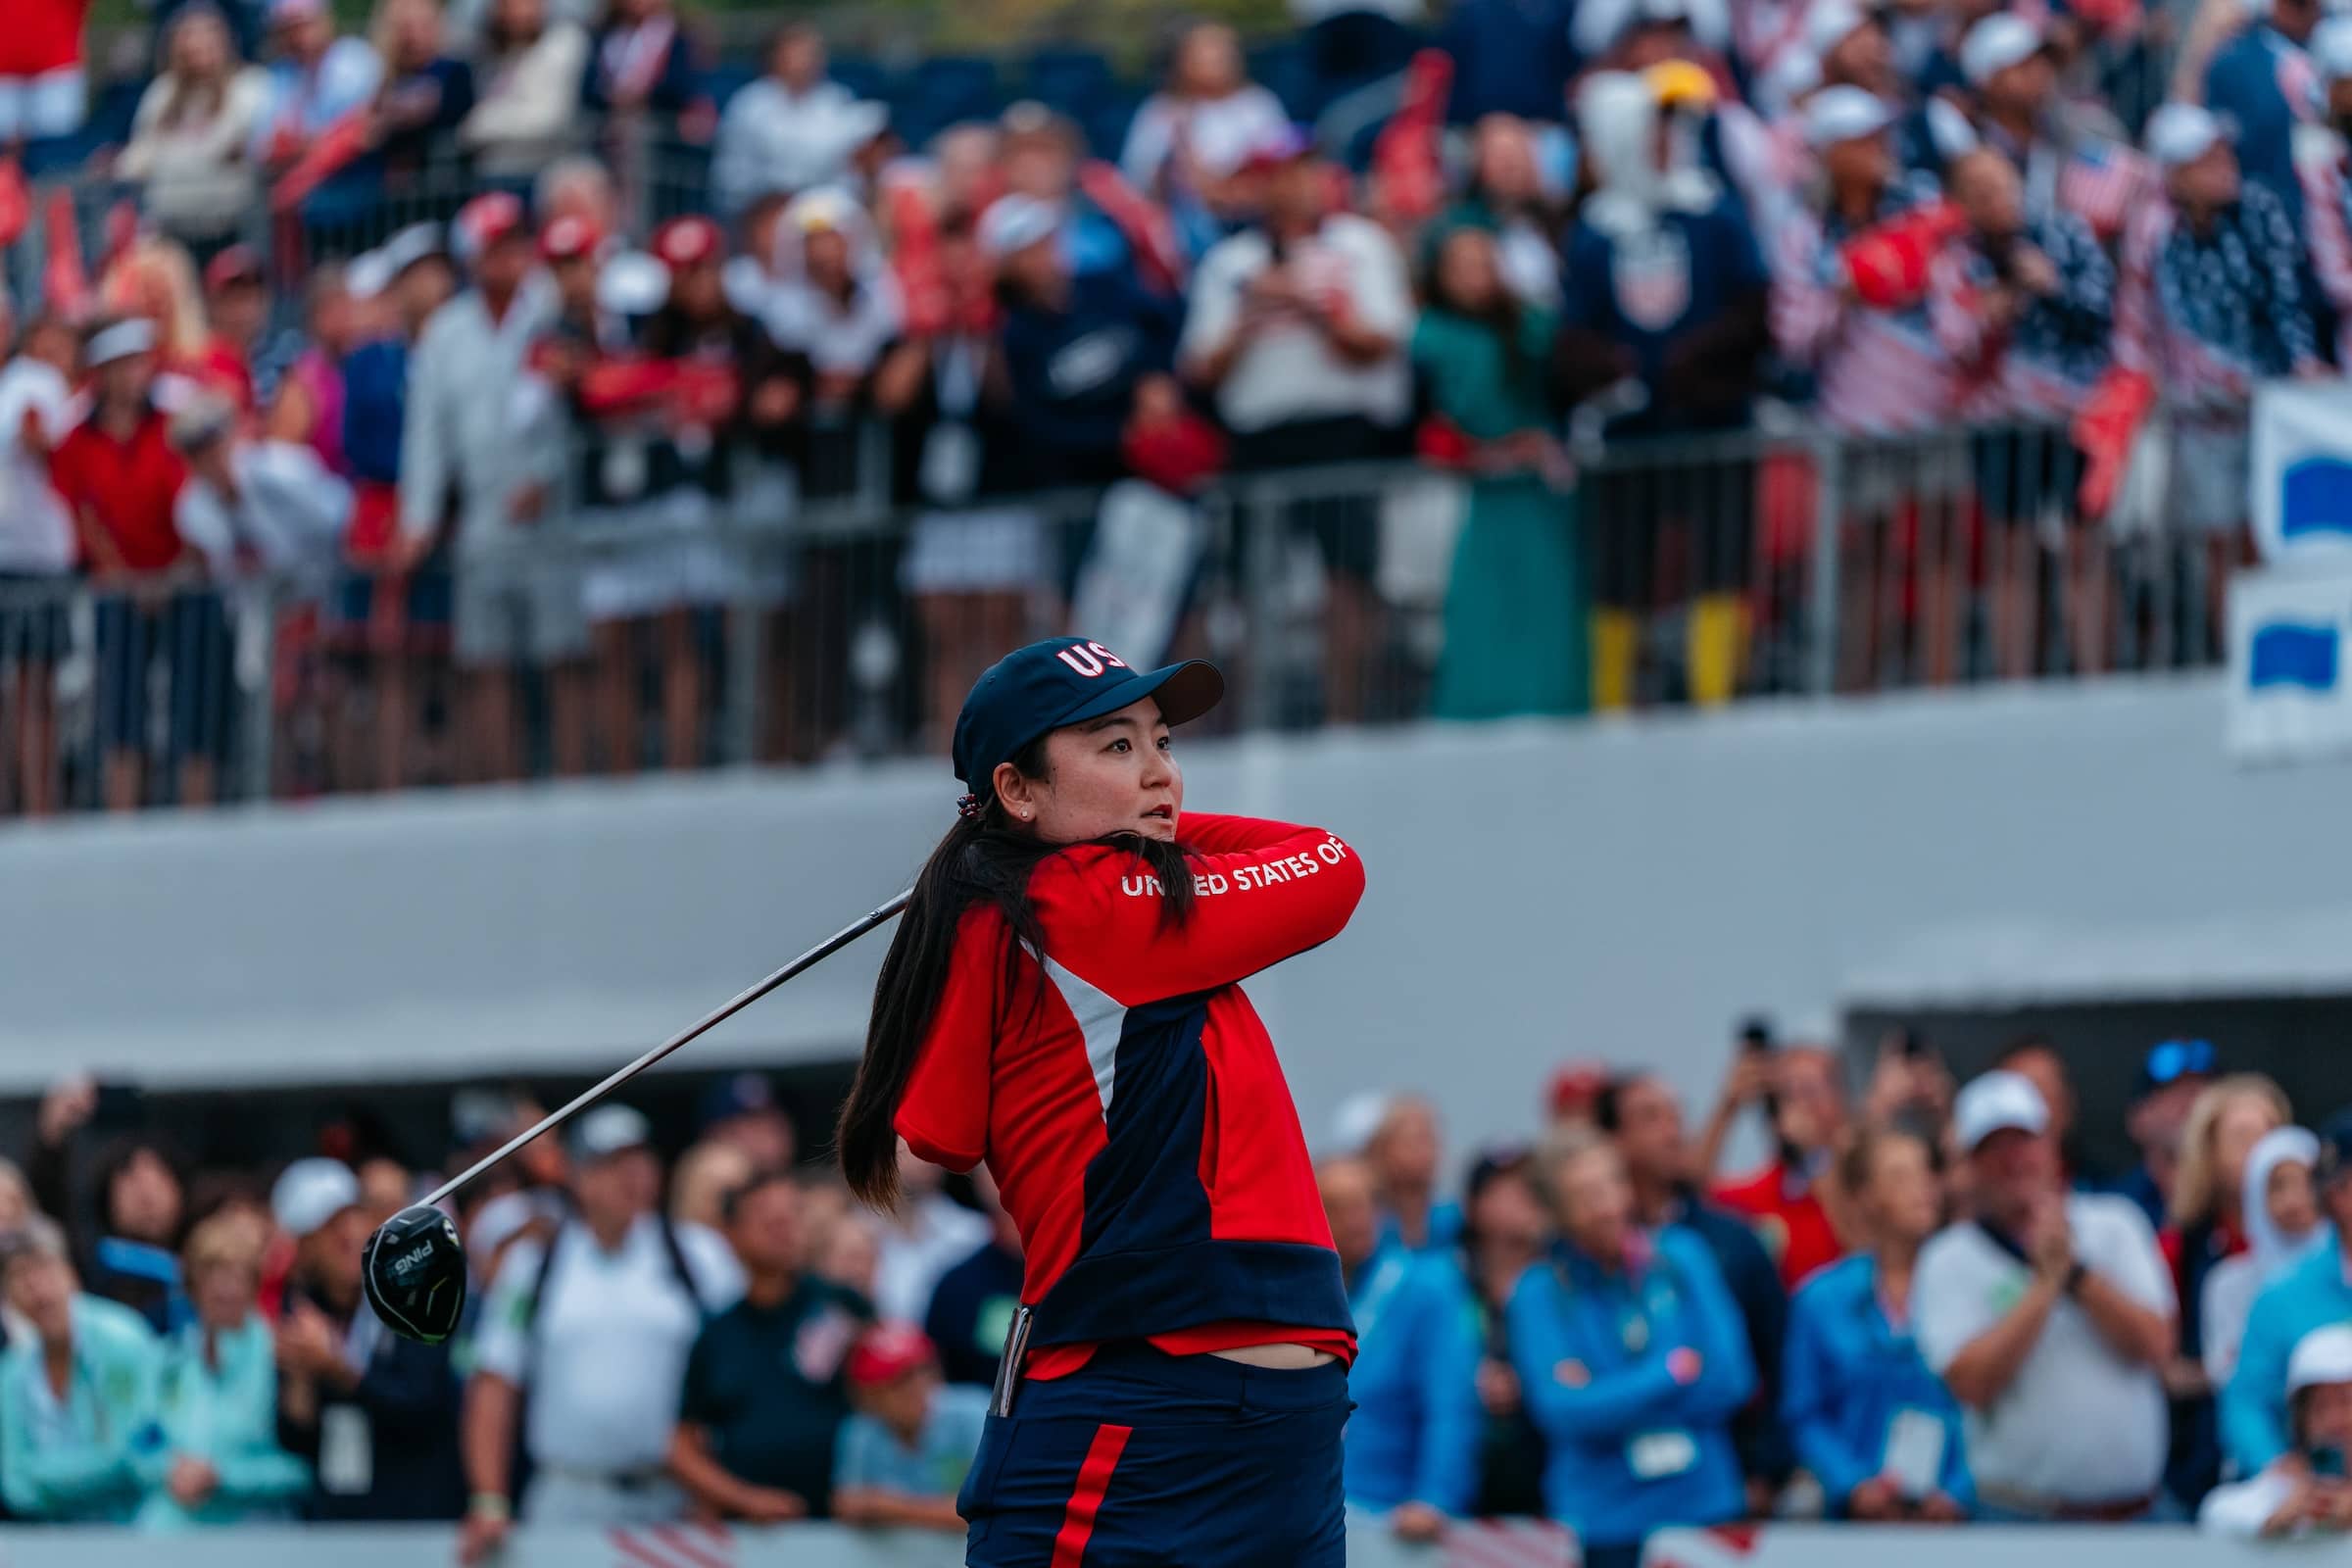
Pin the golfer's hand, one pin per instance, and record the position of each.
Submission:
(1417, 1521)
(481, 1536)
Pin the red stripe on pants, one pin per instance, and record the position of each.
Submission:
(1086, 1498)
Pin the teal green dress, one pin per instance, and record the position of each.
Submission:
(1516, 638)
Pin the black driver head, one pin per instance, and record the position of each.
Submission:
(413, 1269)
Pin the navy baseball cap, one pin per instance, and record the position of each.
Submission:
(1066, 680)
(2335, 1147)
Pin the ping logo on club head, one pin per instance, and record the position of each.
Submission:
(406, 1263)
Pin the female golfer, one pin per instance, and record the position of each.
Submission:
(1061, 1002)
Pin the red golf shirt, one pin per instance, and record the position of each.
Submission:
(1129, 1102)
(1787, 1213)
(129, 486)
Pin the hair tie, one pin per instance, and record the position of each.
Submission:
(968, 806)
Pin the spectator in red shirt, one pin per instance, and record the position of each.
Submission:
(42, 89)
(121, 480)
(237, 303)
(1789, 1198)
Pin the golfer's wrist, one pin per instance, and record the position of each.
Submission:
(489, 1505)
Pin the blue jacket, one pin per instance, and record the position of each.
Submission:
(226, 1415)
(2312, 1295)
(1414, 1437)
(76, 1460)
(1631, 1449)
(2244, 83)
(1848, 1374)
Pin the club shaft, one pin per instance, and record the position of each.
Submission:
(691, 1032)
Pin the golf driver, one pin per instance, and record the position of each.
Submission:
(414, 1266)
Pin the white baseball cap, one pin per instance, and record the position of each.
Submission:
(2324, 1355)
(610, 1130)
(1014, 222)
(126, 338)
(1999, 1101)
(1994, 44)
(1844, 114)
(310, 1193)
(2330, 49)
(2182, 133)
(1830, 23)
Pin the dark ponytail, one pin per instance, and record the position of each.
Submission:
(983, 860)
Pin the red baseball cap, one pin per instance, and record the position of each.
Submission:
(568, 238)
(485, 222)
(238, 264)
(685, 242)
(888, 1353)
(1575, 1087)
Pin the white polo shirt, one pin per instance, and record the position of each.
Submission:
(610, 1339)
(1288, 372)
(2078, 1423)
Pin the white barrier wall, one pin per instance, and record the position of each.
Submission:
(1536, 892)
(1471, 1546)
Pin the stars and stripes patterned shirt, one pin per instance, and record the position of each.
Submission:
(2044, 363)
(2323, 167)
(1876, 371)
(2208, 316)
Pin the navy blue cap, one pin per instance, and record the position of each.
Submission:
(738, 1093)
(1065, 680)
(2335, 1147)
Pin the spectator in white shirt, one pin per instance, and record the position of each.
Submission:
(2049, 1315)
(791, 128)
(37, 408)
(528, 80)
(257, 506)
(189, 140)
(929, 1234)
(1192, 137)
(2303, 1489)
(583, 1346)
(1297, 331)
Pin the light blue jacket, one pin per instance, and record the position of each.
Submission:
(2312, 1295)
(1629, 1449)
(1414, 1435)
(1849, 1373)
(73, 1461)
(225, 1414)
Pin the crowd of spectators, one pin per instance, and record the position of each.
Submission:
(495, 453)
(1913, 1312)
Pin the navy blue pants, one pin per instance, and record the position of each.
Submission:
(1148, 1461)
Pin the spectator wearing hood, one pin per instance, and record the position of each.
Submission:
(2303, 1490)
(1516, 635)
(2310, 1293)
(791, 129)
(2281, 1217)
(2324, 171)
(1667, 290)
(373, 1415)
(2261, 83)
(76, 1397)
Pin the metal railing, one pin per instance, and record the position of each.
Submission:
(766, 618)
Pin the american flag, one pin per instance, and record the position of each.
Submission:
(2100, 182)
(693, 1546)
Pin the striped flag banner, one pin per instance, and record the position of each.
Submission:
(686, 1545)
(1509, 1544)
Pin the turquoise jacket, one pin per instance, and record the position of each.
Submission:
(226, 1415)
(75, 1460)
(2314, 1294)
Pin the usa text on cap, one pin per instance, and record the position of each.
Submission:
(1999, 1101)
(1844, 114)
(1994, 44)
(1066, 680)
